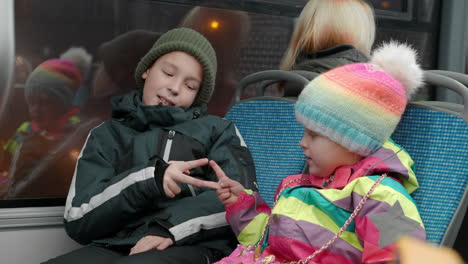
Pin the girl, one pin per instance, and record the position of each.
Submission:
(355, 202)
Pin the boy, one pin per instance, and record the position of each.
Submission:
(129, 197)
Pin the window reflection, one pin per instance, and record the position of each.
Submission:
(117, 33)
(400, 6)
(228, 32)
(114, 74)
(41, 141)
(35, 161)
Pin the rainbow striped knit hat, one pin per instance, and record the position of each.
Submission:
(359, 105)
(61, 77)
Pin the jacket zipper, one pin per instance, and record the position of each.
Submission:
(167, 152)
(326, 183)
(167, 149)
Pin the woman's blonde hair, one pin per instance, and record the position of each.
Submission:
(323, 24)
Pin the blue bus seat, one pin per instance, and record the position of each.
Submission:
(272, 134)
(436, 136)
(270, 130)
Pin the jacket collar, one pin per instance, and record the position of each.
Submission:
(61, 126)
(130, 110)
(347, 52)
(390, 158)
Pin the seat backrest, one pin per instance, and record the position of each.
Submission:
(436, 136)
(267, 78)
(272, 134)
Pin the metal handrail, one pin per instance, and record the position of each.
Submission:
(454, 81)
(269, 75)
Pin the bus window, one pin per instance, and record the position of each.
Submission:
(40, 143)
(37, 161)
(43, 30)
(249, 36)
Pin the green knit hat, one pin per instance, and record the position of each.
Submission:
(191, 42)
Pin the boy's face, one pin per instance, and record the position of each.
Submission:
(324, 155)
(174, 79)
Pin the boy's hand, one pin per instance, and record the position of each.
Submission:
(151, 242)
(229, 190)
(179, 171)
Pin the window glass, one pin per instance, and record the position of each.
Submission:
(400, 6)
(427, 10)
(56, 102)
(421, 32)
(41, 140)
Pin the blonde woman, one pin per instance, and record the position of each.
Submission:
(330, 33)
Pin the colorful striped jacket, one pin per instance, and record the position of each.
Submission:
(311, 210)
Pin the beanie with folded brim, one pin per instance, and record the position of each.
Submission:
(191, 42)
(359, 105)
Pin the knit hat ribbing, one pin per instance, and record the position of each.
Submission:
(359, 105)
(191, 42)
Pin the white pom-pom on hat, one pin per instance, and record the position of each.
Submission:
(399, 60)
(80, 57)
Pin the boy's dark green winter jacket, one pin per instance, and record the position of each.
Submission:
(116, 195)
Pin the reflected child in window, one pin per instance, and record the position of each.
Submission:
(115, 73)
(354, 203)
(137, 195)
(39, 159)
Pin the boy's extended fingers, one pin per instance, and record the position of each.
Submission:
(188, 165)
(197, 182)
(209, 184)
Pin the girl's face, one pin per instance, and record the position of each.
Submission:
(45, 110)
(174, 79)
(324, 155)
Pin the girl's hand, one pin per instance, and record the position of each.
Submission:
(228, 190)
